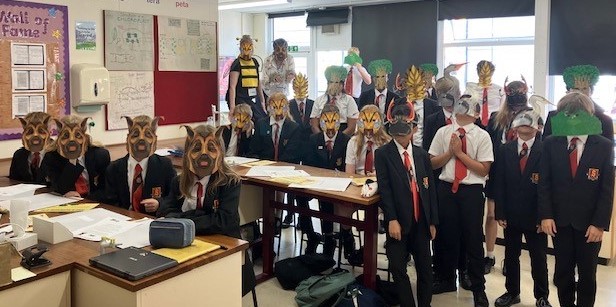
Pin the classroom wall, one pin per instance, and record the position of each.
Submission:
(92, 10)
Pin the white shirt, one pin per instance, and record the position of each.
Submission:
(280, 123)
(478, 148)
(82, 160)
(449, 115)
(495, 93)
(419, 111)
(344, 102)
(381, 102)
(326, 138)
(581, 143)
(232, 147)
(409, 150)
(132, 163)
(190, 203)
(357, 80)
(529, 144)
(351, 154)
(271, 70)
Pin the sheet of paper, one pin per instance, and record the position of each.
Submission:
(45, 200)
(69, 208)
(361, 181)
(36, 55)
(289, 173)
(260, 163)
(325, 183)
(138, 236)
(266, 171)
(162, 152)
(21, 80)
(74, 221)
(20, 273)
(18, 190)
(37, 103)
(19, 54)
(290, 180)
(107, 227)
(239, 160)
(37, 80)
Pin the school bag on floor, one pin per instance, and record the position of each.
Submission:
(315, 290)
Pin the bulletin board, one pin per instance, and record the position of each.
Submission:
(34, 63)
(132, 94)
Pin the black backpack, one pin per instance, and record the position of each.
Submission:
(291, 271)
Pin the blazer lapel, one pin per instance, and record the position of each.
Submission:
(394, 157)
(511, 151)
(533, 159)
(124, 177)
(420, 171)
(149, 176)
(562, 155)
(587, 154)
(294, 109)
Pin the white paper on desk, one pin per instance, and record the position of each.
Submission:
(108, 227)
(18, 190)
(77, 220)
(40, 201)
(325, 183)
(239, 160)
(289, 173)
(266, 171)
(162, 151)
(138, 236)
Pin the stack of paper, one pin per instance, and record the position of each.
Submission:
(267, 171)
(18, 190)
(260, 163)
(180, 255)
(40, 201)
(79, 220)
(324, 183)
(69, 208)
(239, 160)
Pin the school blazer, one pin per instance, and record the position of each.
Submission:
(395, 190)
(304, 125)
(317, 155)
(243, 144)
(515, 192)
(368, 97)
(20, 168)
(156, 184)
(262, 145)
(209, 220)
(584, 200)
(63, 173)
(430, 107)
(432, 123)
(606, 123)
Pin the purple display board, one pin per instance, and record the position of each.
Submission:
(34, 63)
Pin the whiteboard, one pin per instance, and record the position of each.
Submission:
(129, 41)
(132, 94)
(186, 45)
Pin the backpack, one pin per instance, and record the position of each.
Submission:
(356, 295)
(315, 290)
(291, 271)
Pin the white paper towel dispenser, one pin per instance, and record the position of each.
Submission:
(90, 86)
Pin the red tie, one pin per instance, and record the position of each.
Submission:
(330, 147)
(34, 164)
(460, 167)
(573, 153)
(523, 157)
(369, 165)
(137, 188)
(378, 100)
(414, 189)
(484, 108)
(510, 135)
(199, 195)
(301, 111)
(448, 120)
(348, 83)
(276, 130)
(332, 100)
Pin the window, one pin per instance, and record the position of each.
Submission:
(325, 59)
(604, 93)
(293, 30)
(508, 42)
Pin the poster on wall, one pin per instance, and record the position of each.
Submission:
(129, 41)
(224, 68)
(34, 63)
(132, 94)
(186, 45)
(85, 35)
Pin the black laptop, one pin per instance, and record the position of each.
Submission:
(132, 263)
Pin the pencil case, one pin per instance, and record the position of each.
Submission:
(172, 233)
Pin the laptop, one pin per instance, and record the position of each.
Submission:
(132, 263)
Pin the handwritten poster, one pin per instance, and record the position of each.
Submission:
(85, 35)
(132, 94)
(34, 63)
(186, 45)
(129, 41)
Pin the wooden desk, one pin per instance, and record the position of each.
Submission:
(214, 278)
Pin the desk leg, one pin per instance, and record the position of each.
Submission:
(370, 246)
(268, 235)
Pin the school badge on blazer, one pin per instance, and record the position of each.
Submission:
(339, 162)
(96, 180)
(157, 192)
(426, 183)
(534, 178)
(284, 142)
(593, 174)
(215, 205)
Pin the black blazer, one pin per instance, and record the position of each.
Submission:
(63, 173)
(20, 168)
(243, 144)
(157, 182)
(262, 145)
(367, 97)
(606, 124)
(516, 193)
(224, 220)
(432, 123)
(317, 155)
(430, 107)
(394, 187)
(584, 200)
(304, 124)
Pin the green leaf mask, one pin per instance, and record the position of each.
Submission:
(579, 123)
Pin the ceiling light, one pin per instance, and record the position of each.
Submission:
(249, 4)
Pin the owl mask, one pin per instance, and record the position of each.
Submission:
(73, 141)
(36, 131)
(203, 151)
(141, 137)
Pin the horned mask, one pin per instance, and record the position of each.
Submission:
(401, 117)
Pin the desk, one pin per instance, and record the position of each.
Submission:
(71, 281)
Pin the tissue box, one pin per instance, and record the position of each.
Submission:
(172, 233)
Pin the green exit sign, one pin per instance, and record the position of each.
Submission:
(293, 48)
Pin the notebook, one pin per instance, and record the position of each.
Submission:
(132, 263)
(197, 248)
